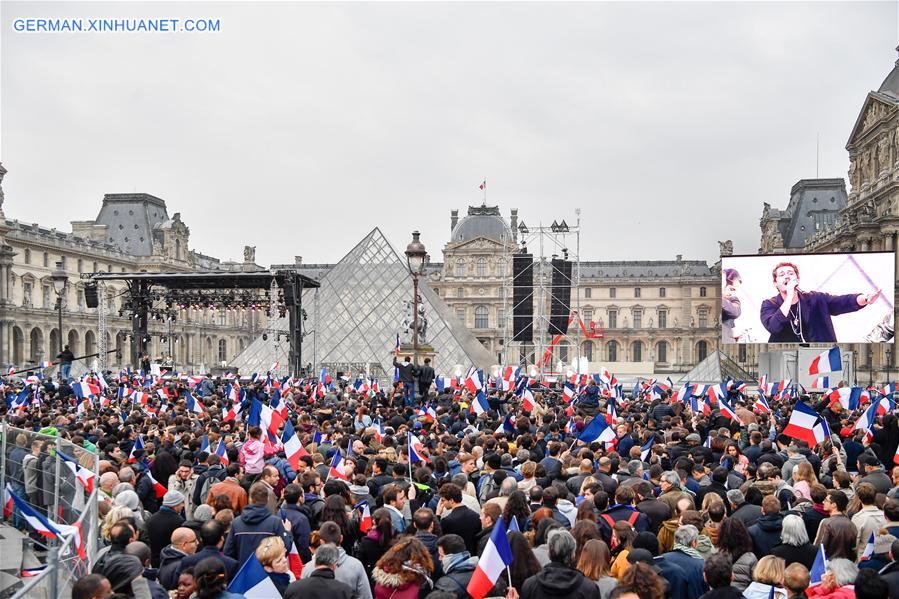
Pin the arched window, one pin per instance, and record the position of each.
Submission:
(612, 350)
(460, 268)
(702, 292)
(27, 256)
(587, 350)
(662, 351)
(37, 344)
(481, 319)
(702, 351)
(223, 350)
(563, 353)
(637, 352)
(90, 342)
(482, 267)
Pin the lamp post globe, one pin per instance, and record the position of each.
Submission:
(416, 255)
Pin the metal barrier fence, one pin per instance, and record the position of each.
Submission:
(31, 468)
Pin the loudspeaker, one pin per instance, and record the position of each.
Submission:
(90, 295)
(522, 297)
(560, 304)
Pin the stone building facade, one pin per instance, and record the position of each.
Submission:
(132, 233)
(869, 219)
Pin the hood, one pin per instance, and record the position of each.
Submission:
(460, 562)
(169, 554)
(428, 539)
(255, 514)
(758, 590)
(704, 545)
(670, 525)
(771, 523)
(557, 579)
(359, 490)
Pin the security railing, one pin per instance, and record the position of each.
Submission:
(45, 483)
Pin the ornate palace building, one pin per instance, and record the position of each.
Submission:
(132, 233)
(865, 219)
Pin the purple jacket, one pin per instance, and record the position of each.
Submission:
(816, 309)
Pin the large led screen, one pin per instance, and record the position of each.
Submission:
(807, 298)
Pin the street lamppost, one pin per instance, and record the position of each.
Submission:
(60, 279)
(417, 259)
(889, 353)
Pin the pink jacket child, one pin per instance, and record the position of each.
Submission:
(252, 456)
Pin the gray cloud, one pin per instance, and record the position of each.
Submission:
(300, 126)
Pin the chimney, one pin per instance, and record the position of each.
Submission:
(513, 223)
(680, 257)
(297, 260)
(454, 220)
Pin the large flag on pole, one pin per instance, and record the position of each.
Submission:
(496, 557)
(827, 361)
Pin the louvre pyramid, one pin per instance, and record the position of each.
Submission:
(715, 368)
(355, 315)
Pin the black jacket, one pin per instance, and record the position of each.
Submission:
(749, 514)
(459, 575)
(765, 534)
(319, 585)
(890, 573)
(463, 522)
(170, 567)
(189, 561)
(792, 554)
(727, 592)
(426, 376)
(300, 529)
(558, 580)
(406, 371)
(691, 569)
(160, 527)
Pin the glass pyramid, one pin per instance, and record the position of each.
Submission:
(356, 314)
(717, 367)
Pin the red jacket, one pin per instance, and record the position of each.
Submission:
(818, 592)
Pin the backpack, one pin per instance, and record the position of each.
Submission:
(632, 519)
(209, 479)
(486, 484)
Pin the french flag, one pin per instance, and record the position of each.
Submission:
(822, 382)
(293, 449)
(866, 420)
(849, 397)
(479, 404)
(506, 426)
(761, 404)
(62, 532)
(868, 553)
(885, 405)
(646, 448)
(806, 425)
(444, 383)
(365, 522)
(683, 393)
(473, 382)
(568, 392)
(46, 364)
(727, 410)
(889, 390)
(138, 445)
(379, 430)
(84, 475)
(294, 562)
(253, 582)
(819, 567)
(611, 412)
(319, 437)
(496, 557)
(222, 452)
(597, 430)
(233, 412)
(7, 502)
(193, 405)
(416, 450)
(826, 361)
(510, 375)
(716, 393)
(528, 403)
(337, 467)
(157, 486)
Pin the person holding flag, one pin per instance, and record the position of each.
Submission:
(405, 375)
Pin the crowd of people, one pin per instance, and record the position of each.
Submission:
(678, 505)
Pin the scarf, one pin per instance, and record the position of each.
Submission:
(688, 550)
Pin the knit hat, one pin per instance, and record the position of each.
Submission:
(883, 543)
(129, 499)
(694, 437)
(203, 512)
(172, 498)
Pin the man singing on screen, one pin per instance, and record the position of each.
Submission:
(804, 316)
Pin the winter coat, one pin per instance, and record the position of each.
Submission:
(765, 533)
(742, 570)
(839, 536)
(727, 592)
(666, 534)
(868, 520)
(213, 475)
(693, 584)
(405, 584)
(792, 554)
(146, 491)
(458, 574)
(557, 580)
(749, 514)
(759, 590)
(252, 456)
(253, 525)
(189, 561)
(160, 527)
(321, 584)
(300, 529)
(890, 573)
(170, 567)
(463, 522)
(819, 592)
(370, 550)
(705, 547)
(349, 571)
(31, 465)
(186, 488)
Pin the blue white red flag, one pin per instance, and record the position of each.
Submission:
(806, 425)
(827, 361)
(253, 582)
(494, 560)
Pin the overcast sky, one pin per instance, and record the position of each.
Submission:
(300, 126)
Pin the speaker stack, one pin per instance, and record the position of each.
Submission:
(560, 304)
(523, 297)
(90, 295)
